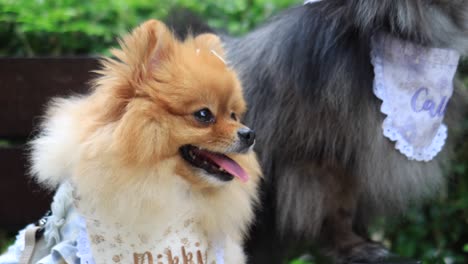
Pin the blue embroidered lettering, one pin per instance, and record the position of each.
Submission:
(428, 104)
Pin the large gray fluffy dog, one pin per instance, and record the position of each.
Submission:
(329, 170)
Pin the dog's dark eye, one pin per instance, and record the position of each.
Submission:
(205, 116)
(233, 116)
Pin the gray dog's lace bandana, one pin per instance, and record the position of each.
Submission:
(415, 84)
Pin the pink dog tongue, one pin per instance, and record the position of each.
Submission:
(228, 165)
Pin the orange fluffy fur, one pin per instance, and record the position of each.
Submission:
(119, 145)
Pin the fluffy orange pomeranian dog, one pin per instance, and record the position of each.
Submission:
(161, 168)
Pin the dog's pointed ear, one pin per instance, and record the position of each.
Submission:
(160, 41)
(211, 42)
(149, 45)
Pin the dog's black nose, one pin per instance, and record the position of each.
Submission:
(246, 135)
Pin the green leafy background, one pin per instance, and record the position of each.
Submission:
(436, 232)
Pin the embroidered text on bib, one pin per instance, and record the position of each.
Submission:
(180, 242)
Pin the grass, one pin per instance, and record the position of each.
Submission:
(5, 240)
(4, 143)
(298, 261)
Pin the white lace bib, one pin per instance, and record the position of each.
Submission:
(415, 84)
(181, 242)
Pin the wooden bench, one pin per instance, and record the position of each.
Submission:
(26, 85)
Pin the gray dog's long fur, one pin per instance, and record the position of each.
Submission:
(308, 80)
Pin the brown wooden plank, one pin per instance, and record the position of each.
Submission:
(21, 200)
(27, 84)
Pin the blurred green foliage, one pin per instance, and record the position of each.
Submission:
(5, 240)
(70, 27)
(4, 143)
(53, 27)
(436, 232)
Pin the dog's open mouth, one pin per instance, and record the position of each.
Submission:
(215, 164)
